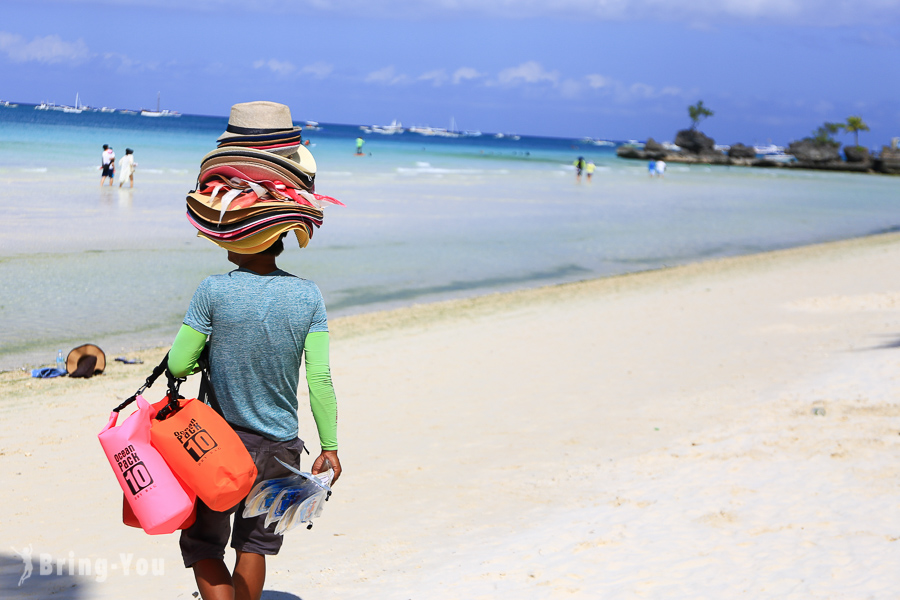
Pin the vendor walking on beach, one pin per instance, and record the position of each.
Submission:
(260, 323)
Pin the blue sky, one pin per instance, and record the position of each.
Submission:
(618, 69)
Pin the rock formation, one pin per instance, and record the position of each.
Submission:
(856, 154)
(814, 153)
(695, 142)
(888, 161)
(741, 151)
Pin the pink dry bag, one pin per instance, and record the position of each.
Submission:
(157, 497)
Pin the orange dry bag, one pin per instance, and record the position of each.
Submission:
(203, 450)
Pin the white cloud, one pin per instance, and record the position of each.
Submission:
(641, 90)
(530, 72)
(571, 88)
(465, 74)
(50, 49)
(436, 77)
(319, 70)
(279, 67)
(386, 76)
(599, 81)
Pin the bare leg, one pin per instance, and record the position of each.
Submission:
(249, 575)
(213, 579)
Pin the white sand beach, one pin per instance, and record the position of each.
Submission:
(726, 429)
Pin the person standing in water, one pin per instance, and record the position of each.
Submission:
(127, 167)
(359, 145)
(579, 167)
(107, 165)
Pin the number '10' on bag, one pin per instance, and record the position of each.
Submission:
(205, 452)
(153, 492)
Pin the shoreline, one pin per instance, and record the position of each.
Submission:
(707, 420)
(417, 314)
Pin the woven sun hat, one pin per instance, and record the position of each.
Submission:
(85, 361)
(265, 119)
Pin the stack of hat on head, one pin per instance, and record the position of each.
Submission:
(258, 184)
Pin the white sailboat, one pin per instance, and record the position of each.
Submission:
(158, 112)
(77, 109)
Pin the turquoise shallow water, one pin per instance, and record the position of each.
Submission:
(426, 219)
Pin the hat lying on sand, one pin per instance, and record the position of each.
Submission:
(85, 361)
(258, 184)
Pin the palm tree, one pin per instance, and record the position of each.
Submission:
(823, 134)
(698, 112)
(855, 124)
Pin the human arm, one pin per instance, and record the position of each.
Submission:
(186, 351)
(322, 401)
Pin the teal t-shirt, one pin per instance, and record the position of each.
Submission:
(256, 326)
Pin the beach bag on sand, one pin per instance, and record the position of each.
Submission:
(157, 498)
(202, 449)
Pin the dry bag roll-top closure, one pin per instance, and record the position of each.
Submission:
(167, 454)
(204, 451)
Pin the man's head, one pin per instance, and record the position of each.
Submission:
(128, 151)
(106, 146)
(275, 249)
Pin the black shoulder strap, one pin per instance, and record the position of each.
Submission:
(207, 394)
(157, 371)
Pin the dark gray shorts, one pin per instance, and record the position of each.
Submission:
(208, 536)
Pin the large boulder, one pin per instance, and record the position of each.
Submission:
(815, 152)
(628, 151)
(695, 142)
(888, 161)
(856, 154)
(741, 151)
(653, 149)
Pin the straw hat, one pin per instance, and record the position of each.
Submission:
(261, 118)
(78, 362)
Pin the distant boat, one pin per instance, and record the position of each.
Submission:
(7, 103)
(107, 110)
(768, 150)
(394, 127)
(773, 152)
(42, 106)
(125, 111)
(437, 131)
(590, 140)
(158, 112)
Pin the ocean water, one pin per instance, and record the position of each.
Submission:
(427, 218)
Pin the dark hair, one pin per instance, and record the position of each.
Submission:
(106, 146)
(129, 151)
(275, 249)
